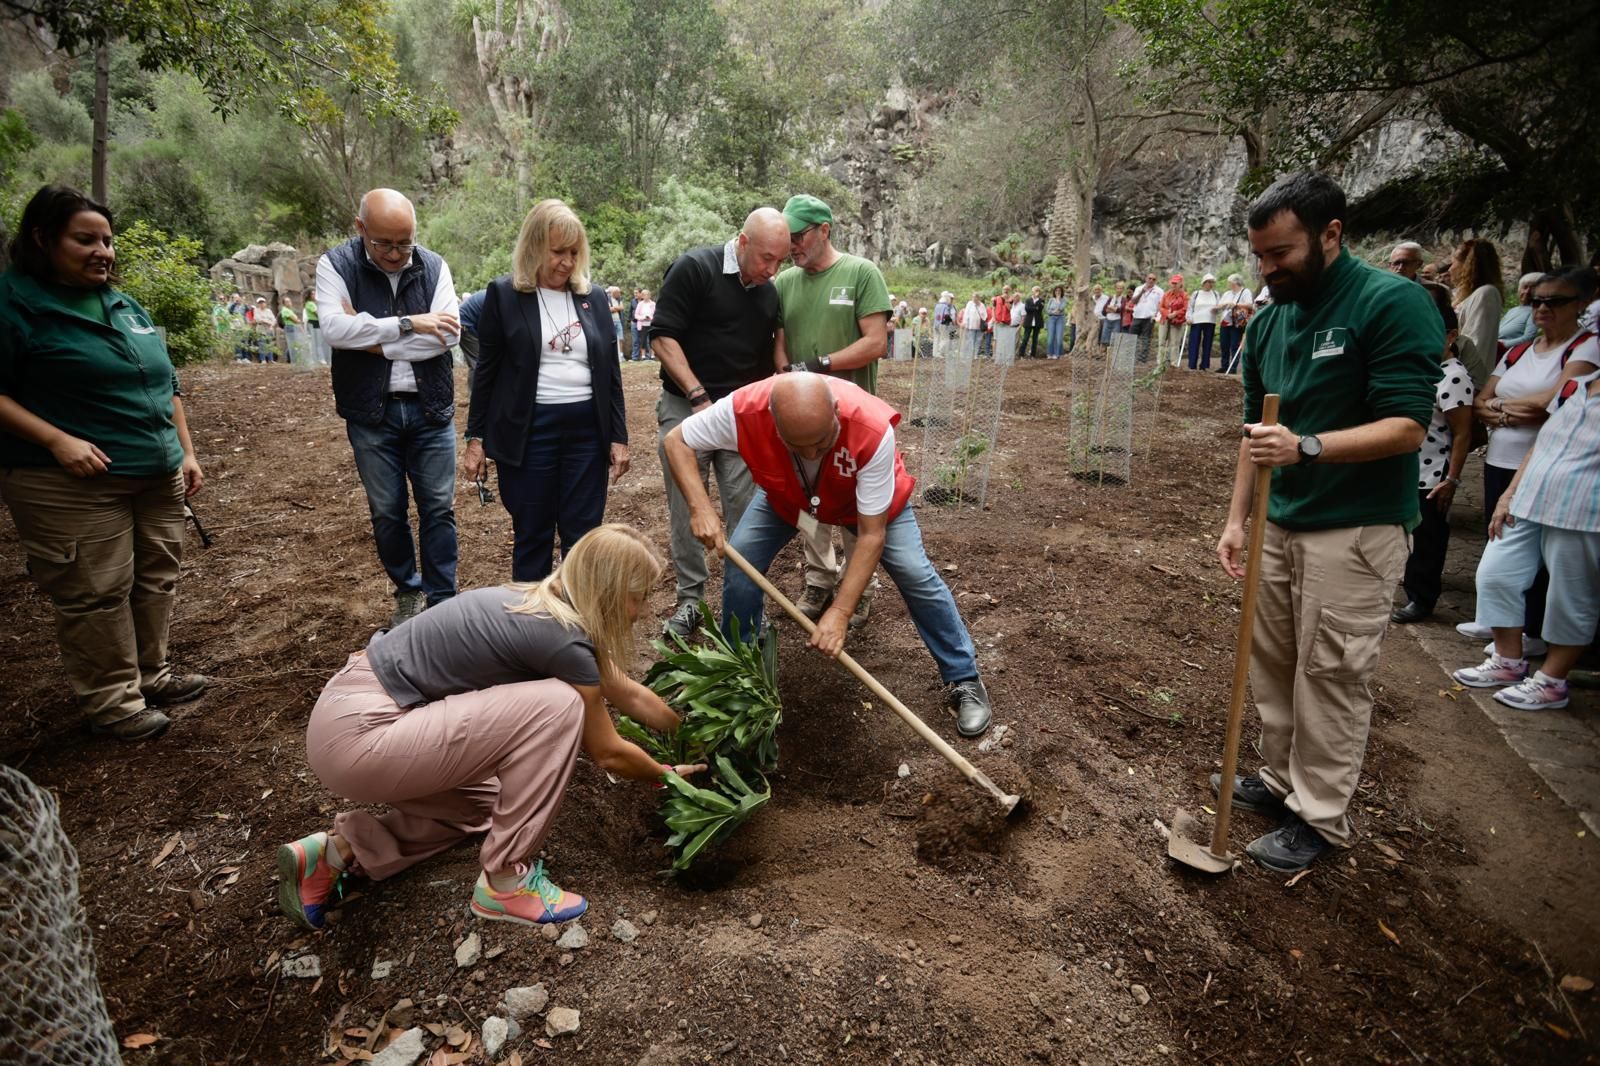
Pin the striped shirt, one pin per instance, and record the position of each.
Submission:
(1561, 485)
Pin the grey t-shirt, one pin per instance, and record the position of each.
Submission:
(471, 642)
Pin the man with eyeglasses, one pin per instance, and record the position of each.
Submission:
(1406, 259)
(388, 310)
(833, 318)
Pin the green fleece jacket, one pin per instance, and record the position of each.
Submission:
(1363, 347)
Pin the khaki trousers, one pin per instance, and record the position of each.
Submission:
(1321, 612)
(823, 567)
(106, 550)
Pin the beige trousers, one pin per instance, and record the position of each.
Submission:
(106, 550)
(1321, 612)
(823, 566)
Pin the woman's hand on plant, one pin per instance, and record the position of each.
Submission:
(687, 768)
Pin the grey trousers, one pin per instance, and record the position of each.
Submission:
(733, 485)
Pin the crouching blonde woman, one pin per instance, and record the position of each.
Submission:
(468, 718)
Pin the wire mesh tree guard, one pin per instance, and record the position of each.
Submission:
(960, 397)
(1100, 426)
(51, 1009)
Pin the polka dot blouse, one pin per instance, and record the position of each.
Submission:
(1454, 390)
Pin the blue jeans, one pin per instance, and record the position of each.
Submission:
(405, 444)
(1229, 336)
(1107, 329)
(1055, 335)
(1200, 334)
(561, 484)
(761, 534)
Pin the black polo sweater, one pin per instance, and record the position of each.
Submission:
(725, 330)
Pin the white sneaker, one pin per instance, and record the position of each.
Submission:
(1474, 630)
(1530, 646)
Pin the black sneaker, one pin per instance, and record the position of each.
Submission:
(1290, 848)
(1410, 613)
(970, 700)
(684, 621)
(1250, 794)
(407, 605)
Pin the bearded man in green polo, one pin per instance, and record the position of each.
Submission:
(833, 318)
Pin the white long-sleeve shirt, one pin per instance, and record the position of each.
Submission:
(342, 329)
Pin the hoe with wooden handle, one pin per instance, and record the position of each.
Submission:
(1008, 803)
(1184, 842)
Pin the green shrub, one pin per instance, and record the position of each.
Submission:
(159, 272)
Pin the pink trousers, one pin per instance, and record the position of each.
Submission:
(496, 760)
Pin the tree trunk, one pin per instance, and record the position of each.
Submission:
(1083, 264)
(102, 105)
(1064, 218)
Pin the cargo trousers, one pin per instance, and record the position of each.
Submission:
(107, 551)
(1322, 609)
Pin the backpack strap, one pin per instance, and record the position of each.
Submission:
(1568, 390)
(1582, 336)
(1517, 353)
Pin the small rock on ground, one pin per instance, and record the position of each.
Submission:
(576, 936)
(648, 917)
(624, 930)
(1140, 994)
(561, 1021)
(903, 771)
(496, 1030)
(381, 968)
(406, 1049)
(302, 966)
(755, 921)
(549, 931)
(469, 951)
(525, 1000)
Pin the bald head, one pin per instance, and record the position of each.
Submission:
(805, 413)
(381, 206)
(388, 226)
(761, 246)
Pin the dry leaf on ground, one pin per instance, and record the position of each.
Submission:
(1573, 983)
(139, 1040)
(166, 849)
(1387, 931)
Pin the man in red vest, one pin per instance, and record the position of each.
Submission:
(821, 451)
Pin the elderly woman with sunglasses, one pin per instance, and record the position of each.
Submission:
(1514, 402)
(547, 392)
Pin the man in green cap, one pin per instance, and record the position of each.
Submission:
(833, 318)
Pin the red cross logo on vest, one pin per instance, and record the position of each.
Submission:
(845, 463)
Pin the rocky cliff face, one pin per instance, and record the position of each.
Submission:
(1176, 206)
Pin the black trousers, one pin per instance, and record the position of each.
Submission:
(1496, 479)
(561, 484)
(1028, 348)
(1425, 565)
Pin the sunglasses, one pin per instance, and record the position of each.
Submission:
(1550, 301)
(796, 238)
(485, 497)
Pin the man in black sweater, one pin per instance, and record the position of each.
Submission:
(1032, 322)
(713, 332)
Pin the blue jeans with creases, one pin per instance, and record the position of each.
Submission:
(761, 534)
(405, 445)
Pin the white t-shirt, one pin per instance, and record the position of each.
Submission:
(1149, 300)
(717, 429)
(1203, 306)
(1100, 305)
(1228, 299)
(1535, 372)
(974, 316)
(1454, 390)
(564, 376)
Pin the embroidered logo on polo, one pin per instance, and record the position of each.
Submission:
(845, 463)
(135, 322)
(1328, 342)
(840, 295)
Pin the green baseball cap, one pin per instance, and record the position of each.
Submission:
(803, 210)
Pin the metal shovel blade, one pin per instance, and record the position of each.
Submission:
(1185, 845)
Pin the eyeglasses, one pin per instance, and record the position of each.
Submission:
(1550, 301)
(796, 238)
(403, 247)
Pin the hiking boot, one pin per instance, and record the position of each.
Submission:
(1538, 693)
(970, 701)
(1530, 646)
(1493, 672)
(684, 621)
(859, 616)
(306, 880)
(1411, 612)
(146, 724)
(175, 688)
(1474, 630)
(1290, 848)
(814, 601)
(407, 605)
(1250, 794)
(535, 901)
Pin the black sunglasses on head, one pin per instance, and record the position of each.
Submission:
(1550, 301)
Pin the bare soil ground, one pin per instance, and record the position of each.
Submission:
(861, 917)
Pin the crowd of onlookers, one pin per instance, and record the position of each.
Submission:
(256, 333)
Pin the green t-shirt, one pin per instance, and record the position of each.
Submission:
(819, 313)
(311, 312)
(1365, 346)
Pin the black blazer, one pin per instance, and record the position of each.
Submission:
(506, 379)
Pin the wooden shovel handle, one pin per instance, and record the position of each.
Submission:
(969, 771)
(1241, 656)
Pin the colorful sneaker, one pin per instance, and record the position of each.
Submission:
(535, 901)
(306, 880)
(1538, 693)
(1493, 671)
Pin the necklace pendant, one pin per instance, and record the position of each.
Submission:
(566, 346)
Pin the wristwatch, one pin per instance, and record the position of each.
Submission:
(1310, 449)
(406, 328)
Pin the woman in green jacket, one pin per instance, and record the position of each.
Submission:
(95, 461)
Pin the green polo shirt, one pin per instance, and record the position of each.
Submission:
(90, 363)
(1364, 346)
(819, 313)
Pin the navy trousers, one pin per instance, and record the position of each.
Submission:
(560, 486)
